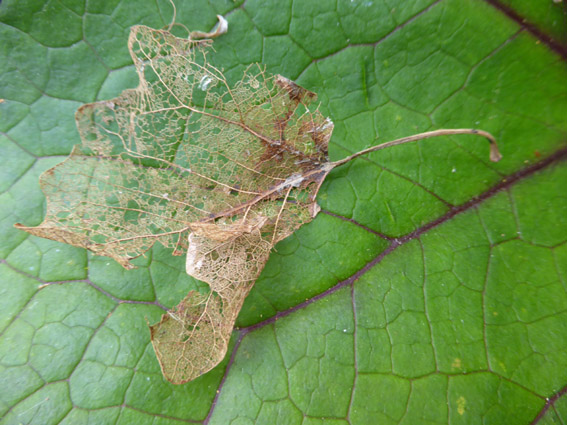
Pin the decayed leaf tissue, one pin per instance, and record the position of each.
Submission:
(217, 172)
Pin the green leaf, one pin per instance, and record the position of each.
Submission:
(432, 287)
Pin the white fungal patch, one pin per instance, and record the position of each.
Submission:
(191, 263)
(328, 123)
(204, 83)
(293, 180)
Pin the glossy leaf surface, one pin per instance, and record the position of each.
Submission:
(462, 322)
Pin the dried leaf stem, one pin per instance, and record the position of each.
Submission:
(495, 155)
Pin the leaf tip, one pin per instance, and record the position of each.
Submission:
(23, 227)
(220, 28)
(495, 154)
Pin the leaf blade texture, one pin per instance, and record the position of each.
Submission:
(72, 325)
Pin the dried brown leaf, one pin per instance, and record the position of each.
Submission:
(200, 166)
(220, 172)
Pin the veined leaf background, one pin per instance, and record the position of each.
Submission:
(431, 289)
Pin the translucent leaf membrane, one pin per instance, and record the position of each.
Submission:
(219, 172)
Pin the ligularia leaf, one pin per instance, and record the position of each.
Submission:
(215, 171)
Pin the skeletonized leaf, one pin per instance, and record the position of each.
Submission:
(220, 172)
(216, 171)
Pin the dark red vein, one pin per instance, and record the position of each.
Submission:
(228, 366)
(356, 223)
(505, 183)
(545, 38)
(548, 404)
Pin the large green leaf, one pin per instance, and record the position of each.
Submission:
(431, 289)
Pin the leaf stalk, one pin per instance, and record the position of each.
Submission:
(495, 155)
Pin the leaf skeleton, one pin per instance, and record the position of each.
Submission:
(216, 171)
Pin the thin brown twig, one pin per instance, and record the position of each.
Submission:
(495, 155)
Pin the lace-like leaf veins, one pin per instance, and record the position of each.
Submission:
(220, 172)
(215, 171)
